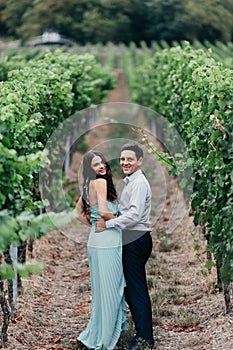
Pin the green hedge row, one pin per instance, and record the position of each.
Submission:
(195, 94)
(35, 98)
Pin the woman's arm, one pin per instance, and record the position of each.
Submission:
(101, 192)
(81, 217)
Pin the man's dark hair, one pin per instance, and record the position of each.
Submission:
(133, 147)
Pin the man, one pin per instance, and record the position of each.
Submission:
(135, 206)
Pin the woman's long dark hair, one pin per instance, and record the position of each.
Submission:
(89, 174)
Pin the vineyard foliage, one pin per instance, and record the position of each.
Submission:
(189, 85)
(132, 57)
(36, 96)
(194, 92)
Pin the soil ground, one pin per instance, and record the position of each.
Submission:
(188, 310)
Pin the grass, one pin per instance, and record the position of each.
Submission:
(186, 317)
(167, 288)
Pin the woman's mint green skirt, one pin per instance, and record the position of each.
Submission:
(108, 314)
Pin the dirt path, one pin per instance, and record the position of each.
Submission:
(188, 312)
(121, 93)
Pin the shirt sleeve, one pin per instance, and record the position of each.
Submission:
(135, 210)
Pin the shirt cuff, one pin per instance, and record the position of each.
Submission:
(110, 223)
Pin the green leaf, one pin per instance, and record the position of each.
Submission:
(25, 270)
(209, 265)
(7, 272)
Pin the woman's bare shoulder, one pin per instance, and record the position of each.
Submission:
(100, 183)
(100, 180)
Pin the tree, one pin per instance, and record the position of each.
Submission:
(164, 20)
(11, 15)
(108, 21)
(119, 20)
(187, 19)
(207, 20)
(63, 16)
(80, 20)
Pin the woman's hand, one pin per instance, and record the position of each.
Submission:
(100, 225)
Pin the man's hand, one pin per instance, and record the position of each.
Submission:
(100, 225)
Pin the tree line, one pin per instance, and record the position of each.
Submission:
(119, 20)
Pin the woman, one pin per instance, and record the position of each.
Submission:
(99, 199)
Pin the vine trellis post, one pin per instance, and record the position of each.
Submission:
(14, 259)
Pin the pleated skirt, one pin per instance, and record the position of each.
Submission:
(108, 313)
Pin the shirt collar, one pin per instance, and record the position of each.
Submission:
(131, 177)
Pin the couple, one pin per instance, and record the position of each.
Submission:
(111, 224)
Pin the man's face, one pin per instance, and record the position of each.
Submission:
(129, 162)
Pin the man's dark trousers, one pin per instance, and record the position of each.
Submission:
(135, 255)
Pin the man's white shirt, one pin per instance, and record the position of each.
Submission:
(135, 204)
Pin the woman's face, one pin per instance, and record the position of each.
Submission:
(98, 165)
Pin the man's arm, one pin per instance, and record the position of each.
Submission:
(136, 207)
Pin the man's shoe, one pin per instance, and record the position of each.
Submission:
(134, 345)
(140, 345)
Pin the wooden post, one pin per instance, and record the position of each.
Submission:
(14, 259)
